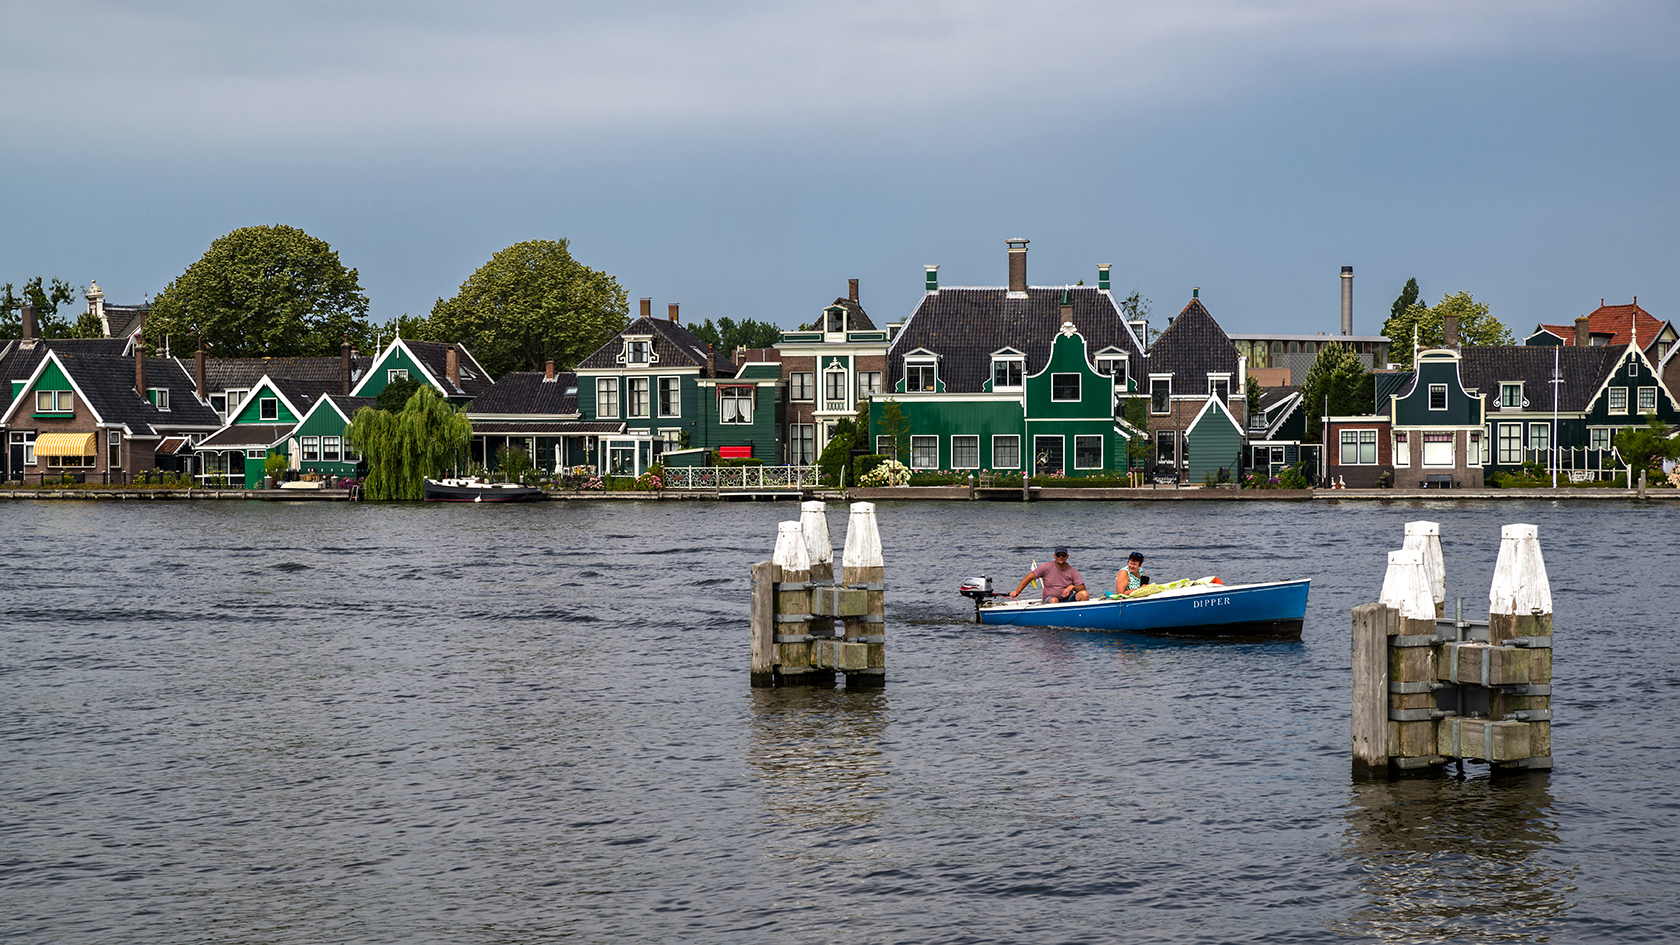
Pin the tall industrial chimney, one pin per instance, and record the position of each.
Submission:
(1347, 300)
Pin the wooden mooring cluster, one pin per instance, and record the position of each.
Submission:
(1429, 689)
(806, 626)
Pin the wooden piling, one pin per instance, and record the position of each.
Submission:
(793, 606)
(1520, 615)
(1425, 538)
(763, 624)
(1411, 661)
(1372, 624)
(813, 524)
(862, 567)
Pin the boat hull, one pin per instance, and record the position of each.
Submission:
(437, 491)
(1275, 610)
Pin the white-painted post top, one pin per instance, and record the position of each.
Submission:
(790, 548)
(863, 539)
(1520, 586)
(1425, 538)
(813, 518)
(1406, 586)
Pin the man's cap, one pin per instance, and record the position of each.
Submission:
(1061, 550)
(1135, 556)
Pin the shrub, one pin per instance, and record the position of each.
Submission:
(864, 465)
(889, 473)
(1292, 477)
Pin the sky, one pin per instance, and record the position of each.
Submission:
(745, 159)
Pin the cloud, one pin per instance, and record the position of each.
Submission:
(451, 76)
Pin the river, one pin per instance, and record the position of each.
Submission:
(316, 722)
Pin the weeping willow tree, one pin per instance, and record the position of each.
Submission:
(403, 448)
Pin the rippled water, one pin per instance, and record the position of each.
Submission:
(252, 722)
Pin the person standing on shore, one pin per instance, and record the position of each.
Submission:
(1062, 581)
(1132, 577)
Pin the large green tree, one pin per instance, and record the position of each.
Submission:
(259, 291)
(1476, 327)
(1408, 297)
(728, 334)
(1337, 373)
(423, 439)
(531, 302)
(45, 297)
(1642, 447)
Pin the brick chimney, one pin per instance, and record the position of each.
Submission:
(647, 308)
(140, 366)
(198, 372)
(29, 327)
(1449, 331)
(452, 368)
(344, 366)
(1583, 333)
(548, 370)
(1017, 267)
(851, 289)
(671, 312)
(711, 360)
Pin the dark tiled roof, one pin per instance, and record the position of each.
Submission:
(348, 405)
(549, 428)
(1483, 368)
(323, 373)
(964, 327)
(673, 345)
(125, 320)
(435, 356)
(526, 393)
(247, 436)
(1191, 348)
(18, 362)
(108, 384)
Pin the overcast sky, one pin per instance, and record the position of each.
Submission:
(746, 159)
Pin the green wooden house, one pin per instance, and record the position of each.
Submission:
(266, 416)
(317, 444)
(449, 368)
(1213, 444)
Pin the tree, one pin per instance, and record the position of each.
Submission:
(1136, 415)
(1134, 308)
(728, 334)
(45, 297)
(1339, 374)
(1642, 447)
(265, 291)
(1476, 328)
(402, 449)
(896, 426)
(836, 457)
(1408, 298)
(1255, 394)
(530, 303)
(396, 394)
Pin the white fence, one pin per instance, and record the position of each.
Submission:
(742, 477)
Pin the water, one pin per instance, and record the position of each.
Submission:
(254, 722)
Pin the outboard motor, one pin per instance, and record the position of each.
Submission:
(980, 589)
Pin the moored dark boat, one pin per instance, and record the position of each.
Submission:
(477, 490)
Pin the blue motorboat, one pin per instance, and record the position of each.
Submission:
(1200, 609)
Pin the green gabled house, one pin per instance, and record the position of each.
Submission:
(665, 390)
(271, 410)
(1012, 379)
(1213, 444)
(317, 443)
(449, 368)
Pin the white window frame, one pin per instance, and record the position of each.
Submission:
(1508, 402)
(640, 401)
(606, 393)
(868, 382)
(1402, 449)
(1164, 380)
(332, 449)
(919, 447)
(1437, 439)
(1509, 446)
(1540, 437)
(1438, 389)
(1115, 366)
(884, 446)
(1080, 441)
(1169, 437)
(670, 394)
(1214, 387)
(734, 395)
(113, 450)
(1357, 441)
(1059, 378)
(309, 449)
(1009, 441)
(268, 408)
(965, 441)
(160, 398)
(802, 386)
(1618, 393)
(920, 365)
(26, 439)
(834, 378)
(1647, 401)
(1475, 447)
(638, 351)
(802, 444)
(1598, 438)
(1011, 365)
(392, 375)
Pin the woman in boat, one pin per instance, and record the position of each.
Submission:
(1131, 577)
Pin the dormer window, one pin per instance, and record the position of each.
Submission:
(1116, 366)
(836, 319)
(638, 352)
(160, 398)
(921, 376)
(1007, 371)
(1510, 396)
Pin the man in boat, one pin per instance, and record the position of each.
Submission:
(1062, 581)
(1132, 577)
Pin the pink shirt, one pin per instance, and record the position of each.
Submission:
(1057, 580)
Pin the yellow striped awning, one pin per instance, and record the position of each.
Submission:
(67, 444)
